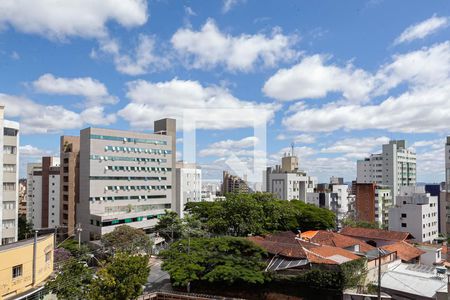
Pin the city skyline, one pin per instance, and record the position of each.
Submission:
(323, 84)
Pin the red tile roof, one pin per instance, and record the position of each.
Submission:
(405, 251)
(335, 239)
(378, 234)
(286, 244)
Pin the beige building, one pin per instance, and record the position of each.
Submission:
(9, 179)
(125, 178)
(25, 266)
(233, 184)
(69, 181)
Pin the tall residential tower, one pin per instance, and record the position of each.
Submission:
(9, 179)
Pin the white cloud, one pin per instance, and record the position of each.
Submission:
(422, 29)
(211, 107)
(311, 78)
(423, 107)
(209, 47)
(37, 118)
(228, 147)
(93, 90)
(32, 151)
(62, 19)
(299, 138)
(96, 115)
(357, 147)
(229, 4)
(141, 60)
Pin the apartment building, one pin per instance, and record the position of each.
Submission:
(125, 178)
(189, 185)
(331, 196)
(394, 167)
(9, 178)
(287, 182)
(372, 203)
(25, 267)
(22, 197)
(44, 193)
(233, 184)
(416, 212)
(447, 182)
(69, 154)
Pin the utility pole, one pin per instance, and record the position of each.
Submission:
(54, 237)
(379, 274)
(79, 235)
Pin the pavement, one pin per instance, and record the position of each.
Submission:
(158, 280)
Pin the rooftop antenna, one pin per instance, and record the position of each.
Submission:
(292, 149)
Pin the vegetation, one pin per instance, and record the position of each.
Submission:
(72, 282)
(169, 226)
(122, 278)
(127, 239)
(75, 250)
(223, 259)
(350, 222)
(25, 228)
(244, 214)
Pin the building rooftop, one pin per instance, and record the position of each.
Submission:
(22, 243)
(414, 279)
(405, 251)
(335, 239)
(378, 234)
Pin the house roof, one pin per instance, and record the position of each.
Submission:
(287, 244)
(335, 239)
(405, 251)
(378, 234)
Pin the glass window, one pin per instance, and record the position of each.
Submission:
(17, 271)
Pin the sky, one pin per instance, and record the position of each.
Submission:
(336, 78)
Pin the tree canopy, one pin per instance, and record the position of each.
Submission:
(25, 228)
(223, 259)
(244, 214)
(127, 239)
(121, 279)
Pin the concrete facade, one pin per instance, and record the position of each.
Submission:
(9, 180)
(394, 167)
(447, 183)
(233, 184)
(125, 178)
(416, 212)
(189, 185)
(70, 175)
(44, 193)
(372, 203)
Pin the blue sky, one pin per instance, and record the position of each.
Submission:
(337, 78)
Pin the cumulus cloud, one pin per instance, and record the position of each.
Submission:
(227, 147)
(210, 47)
(229, 4)
(210, 107)
(312, 78)
(32, 151)
(139, 60)
(37, 118)
(62, 19)
(299, 138)
(422, 29)
(93, 90)
(357, 147)
(422, 107)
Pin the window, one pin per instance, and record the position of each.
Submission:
(403, 215)
(403, 224)
(9, 168)
(9, 149)
(9, 205)
(6, 224)
(17, 271)
(9, 186)
(48, 256)
(10, 132)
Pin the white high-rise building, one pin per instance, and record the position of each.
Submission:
(44, 193)
(125, 178)
(394, 167)
(416, 212)
(189, 185)
(9, 180)
(447, 182)
(287, 182)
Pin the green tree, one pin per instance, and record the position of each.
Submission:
(216, 260)
(25, 228)
(169, 226)
(127, 239)
(350, 222)
(79, 252)
(311, 217)
(72, 281)
(121, 279)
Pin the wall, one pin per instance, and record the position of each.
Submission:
(21, 253)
